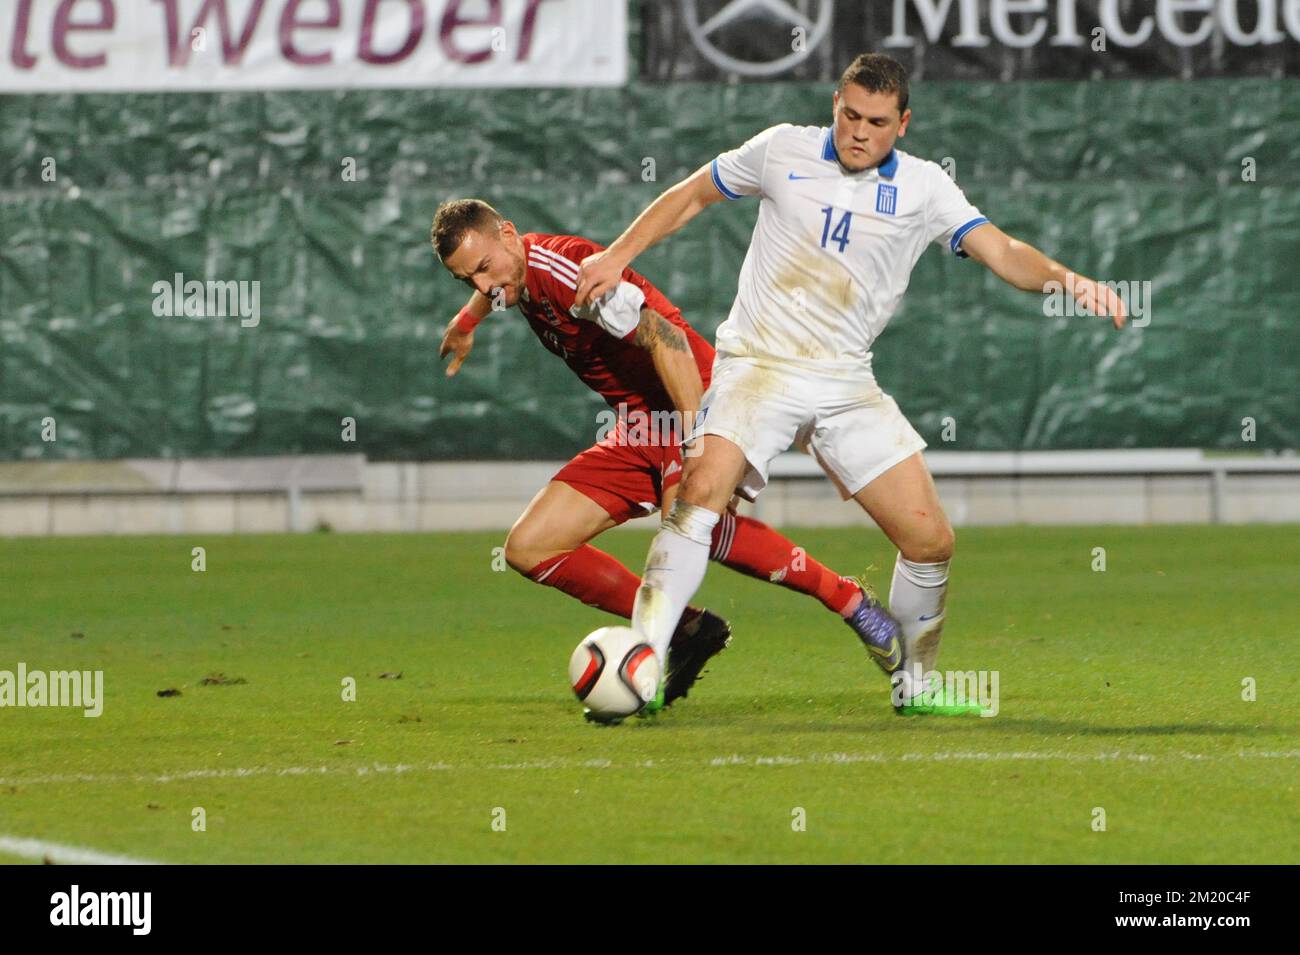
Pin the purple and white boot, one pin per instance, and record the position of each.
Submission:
(878, 630)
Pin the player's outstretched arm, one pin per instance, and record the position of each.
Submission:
(1023, 266)
(674, 361)
(458, 339)
(674, 208)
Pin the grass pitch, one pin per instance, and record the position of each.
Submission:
(1120, 690)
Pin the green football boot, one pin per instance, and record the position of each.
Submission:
(926, 704)
(653, 707)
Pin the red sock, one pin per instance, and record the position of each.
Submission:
(592, 576)
(753, 548)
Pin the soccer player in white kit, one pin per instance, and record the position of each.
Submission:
(843, 217)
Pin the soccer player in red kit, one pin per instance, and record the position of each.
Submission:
(633, 348)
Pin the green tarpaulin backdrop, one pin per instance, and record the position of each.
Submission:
(1139, 181)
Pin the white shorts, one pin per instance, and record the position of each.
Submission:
(854, 429)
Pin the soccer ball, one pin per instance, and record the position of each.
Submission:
(614, 672)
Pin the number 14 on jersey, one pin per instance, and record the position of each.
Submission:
(841, 233)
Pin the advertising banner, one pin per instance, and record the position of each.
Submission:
(709, 40)
(122, 45)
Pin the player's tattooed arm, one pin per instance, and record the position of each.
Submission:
(1021, 265)
(655, 330)
(673, 360)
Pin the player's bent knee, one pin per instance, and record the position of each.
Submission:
(525, 549)
(700, 494)
(945, 545)
(518, 556)
(933, 548)
(704, 489)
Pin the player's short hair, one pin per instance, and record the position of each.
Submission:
(453, 219)
(877, 73)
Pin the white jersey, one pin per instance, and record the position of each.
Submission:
(832, 251)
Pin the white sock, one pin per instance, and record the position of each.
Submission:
(916, 598)
(674, 570)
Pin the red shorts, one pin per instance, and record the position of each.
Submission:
(626, 480)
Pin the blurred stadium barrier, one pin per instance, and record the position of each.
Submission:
(347, 493)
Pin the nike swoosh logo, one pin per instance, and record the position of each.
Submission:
(930, 616)
(793, 176)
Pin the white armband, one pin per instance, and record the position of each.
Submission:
(618, 311)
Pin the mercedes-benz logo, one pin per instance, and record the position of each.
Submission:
(815, 30)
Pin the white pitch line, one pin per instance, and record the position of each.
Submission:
(559, 763)
(842, 758)
(62, 854)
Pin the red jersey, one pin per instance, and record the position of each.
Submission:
(597, 343)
